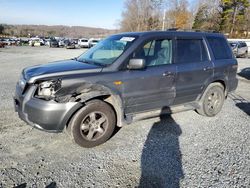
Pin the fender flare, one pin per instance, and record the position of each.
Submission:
(108, 95)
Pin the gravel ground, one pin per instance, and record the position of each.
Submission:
(181, 150)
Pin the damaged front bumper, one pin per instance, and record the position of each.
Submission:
(49, 116)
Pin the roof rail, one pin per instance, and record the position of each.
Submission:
(193, 30)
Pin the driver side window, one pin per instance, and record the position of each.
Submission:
(156, 52)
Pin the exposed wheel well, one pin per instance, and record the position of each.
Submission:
(109, 99)
(221, 82)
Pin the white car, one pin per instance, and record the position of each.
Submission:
(239, 48)
(83, 43)
(93, 42)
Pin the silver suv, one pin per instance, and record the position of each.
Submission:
(240, 49)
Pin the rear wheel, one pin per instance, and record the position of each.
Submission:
(93, 124)
(212, 100)
(246, 55)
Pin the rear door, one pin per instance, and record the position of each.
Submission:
(194, 68)
(225, 63)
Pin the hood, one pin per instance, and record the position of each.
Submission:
(59, 68)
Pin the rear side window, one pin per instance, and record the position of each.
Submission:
(190, 51)
(243, 44)
(219, 48)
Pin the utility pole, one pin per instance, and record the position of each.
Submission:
(164, 19)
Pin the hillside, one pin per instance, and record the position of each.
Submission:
(58, 30)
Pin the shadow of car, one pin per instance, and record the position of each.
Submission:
(245, 73)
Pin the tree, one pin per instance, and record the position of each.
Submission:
(200, 17)
(247, 25)
(141, 15)
(1, 29)
(178, 15)
(233, 14)
(207, 17)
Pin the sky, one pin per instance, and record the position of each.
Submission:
(91, 13)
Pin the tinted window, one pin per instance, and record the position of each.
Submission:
(243, 44)
(156, 52)
(219, 48)
(233, 44)
(190, 51)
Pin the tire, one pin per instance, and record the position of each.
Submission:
(93, 124)
(246, 55)
(212, 100)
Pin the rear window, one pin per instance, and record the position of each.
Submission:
(190, 51)
(219, 48)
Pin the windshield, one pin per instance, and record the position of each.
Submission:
(107, 51)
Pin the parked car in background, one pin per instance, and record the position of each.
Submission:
(36, 41)
(47, 41)
(83, 43)
(7, 41)
(70, 44)
(75, 41)
(92, 42)
(239, 48)
(24, 41)
(2, 43)
(61, 43)
(53, 43)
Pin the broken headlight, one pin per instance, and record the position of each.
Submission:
(22, 82)
(47, 89)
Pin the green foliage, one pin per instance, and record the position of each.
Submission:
(233, 16)
(207, 17)
(1, 29)
(200, 17)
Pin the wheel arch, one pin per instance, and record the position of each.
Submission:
(221, 81)
(105, 94)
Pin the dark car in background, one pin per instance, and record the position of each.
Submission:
(53, 43)
(70, 44)
(127, 77)
(2, 43)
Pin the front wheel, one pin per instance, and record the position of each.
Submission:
(93, 124)
(212, 100)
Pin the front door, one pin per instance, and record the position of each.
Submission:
(154, 86)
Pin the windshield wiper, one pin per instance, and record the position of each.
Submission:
(91, 62)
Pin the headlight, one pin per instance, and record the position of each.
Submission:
(47, 89)
(22, 82)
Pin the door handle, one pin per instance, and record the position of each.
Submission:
(168, 74)
(207, 68)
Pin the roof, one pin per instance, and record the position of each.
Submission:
(173, 33)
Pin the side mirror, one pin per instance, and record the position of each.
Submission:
(136, 64)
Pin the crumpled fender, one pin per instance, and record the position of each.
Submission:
(89, 91)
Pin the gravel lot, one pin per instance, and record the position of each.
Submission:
(181, 150)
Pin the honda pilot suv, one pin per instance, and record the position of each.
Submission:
(124, 78)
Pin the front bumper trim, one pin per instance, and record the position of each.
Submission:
(49, 116)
